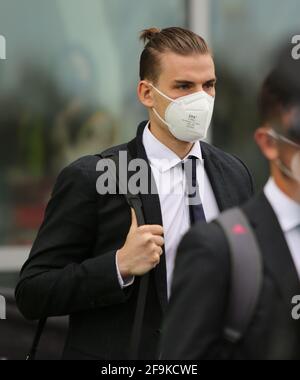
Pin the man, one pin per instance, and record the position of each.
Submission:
(90, 253)
(199, 306)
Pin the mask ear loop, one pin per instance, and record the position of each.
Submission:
(162, 94)
(278, 136)
(154, 110)
(284, 168)
(295, 166)
(160, 118)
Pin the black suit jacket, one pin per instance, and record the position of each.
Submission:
(196, 316)
(71, 269)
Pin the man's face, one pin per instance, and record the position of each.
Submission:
(280, 143)
(287, 151)
(179, 76)
(183, 75)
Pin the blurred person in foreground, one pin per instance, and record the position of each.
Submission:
(196, 318)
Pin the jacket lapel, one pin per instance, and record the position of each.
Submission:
(217, 178)
(277, 257)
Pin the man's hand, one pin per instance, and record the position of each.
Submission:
(142, 249)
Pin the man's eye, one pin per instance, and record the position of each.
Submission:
(184, 86)
(210, 85)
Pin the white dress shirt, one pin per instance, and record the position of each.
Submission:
(170, 181)
(288, 214)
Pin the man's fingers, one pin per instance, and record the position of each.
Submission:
(153, 229)
(158, 240)
(156, 260)
(160, 251)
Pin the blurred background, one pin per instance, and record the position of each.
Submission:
(68, 88)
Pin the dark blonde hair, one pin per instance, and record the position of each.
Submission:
(177, 40)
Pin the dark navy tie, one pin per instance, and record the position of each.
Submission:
(195, 205)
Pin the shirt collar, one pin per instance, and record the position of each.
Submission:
(160, 156)
(286, 209)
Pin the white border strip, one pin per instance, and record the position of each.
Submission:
(12, 258)
(199, 18)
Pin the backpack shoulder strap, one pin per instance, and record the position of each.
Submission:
(36, 340)
(246, 273)
(134, 201)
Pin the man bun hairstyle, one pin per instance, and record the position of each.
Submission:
(176, 40)
(146, 35)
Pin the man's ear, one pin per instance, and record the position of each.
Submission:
(267, 144)
(145, 94)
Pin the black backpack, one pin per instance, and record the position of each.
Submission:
(246, 273)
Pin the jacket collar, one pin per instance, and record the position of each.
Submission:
(213, 167)
(286, 210)
(160, 156)
(276, 254)
(218, 178)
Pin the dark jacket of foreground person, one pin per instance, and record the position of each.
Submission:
(197, 310)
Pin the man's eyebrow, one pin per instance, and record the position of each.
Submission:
(183, 81)
(213, 80)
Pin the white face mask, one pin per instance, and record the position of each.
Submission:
(294, 171)
(188, 118)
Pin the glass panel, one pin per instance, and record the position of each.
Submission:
(67, 89)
